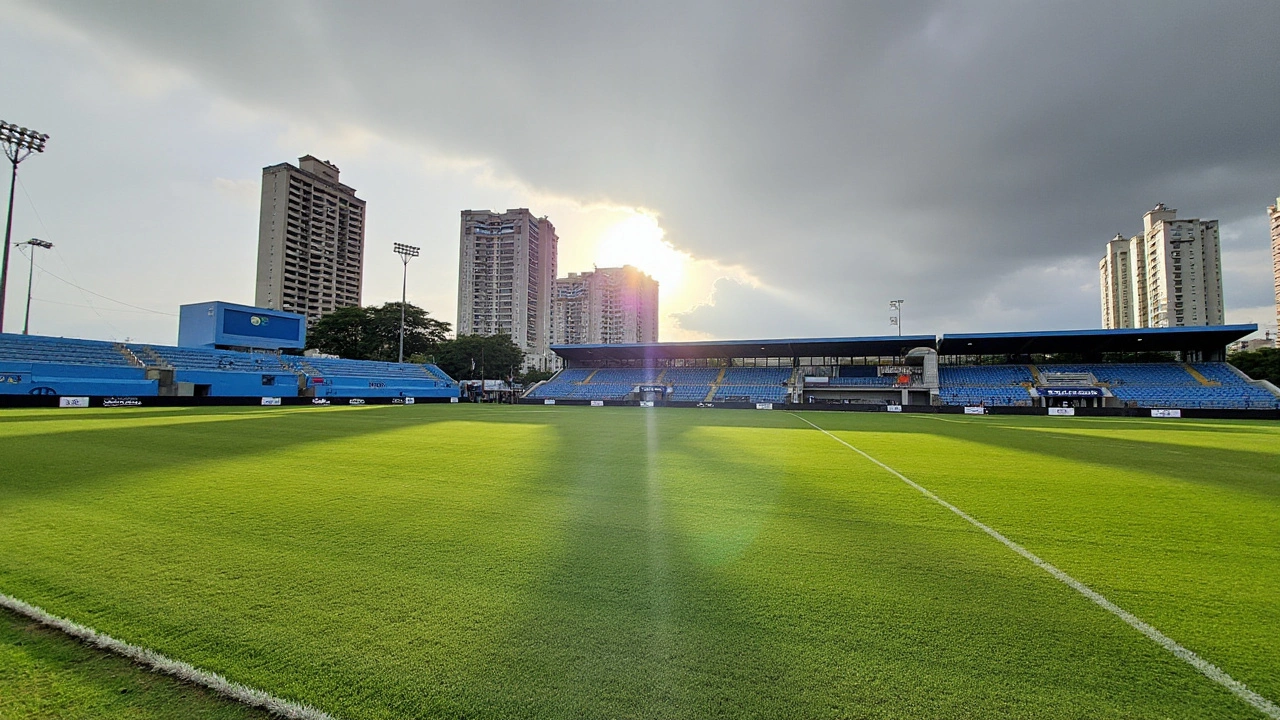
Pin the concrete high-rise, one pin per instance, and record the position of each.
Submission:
(506, 270)
(1274, 213)
(1174, 275)
(605, 305)
(310, 240)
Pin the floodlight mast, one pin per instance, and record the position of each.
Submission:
(31, 269)
(405, 252)
(896, 319)
(19, 143)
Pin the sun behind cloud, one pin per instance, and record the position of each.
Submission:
(638, 241)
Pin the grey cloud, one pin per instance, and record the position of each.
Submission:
(942, 152)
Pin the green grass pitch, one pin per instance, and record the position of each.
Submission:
(543, 562)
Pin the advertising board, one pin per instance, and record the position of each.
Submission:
(971, 410)
(270, 401)
(73, 402)
(1166, 413)
(1062, 411)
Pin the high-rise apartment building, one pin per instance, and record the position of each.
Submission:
(1274, 213)
(1174, 274)
(506, 270)
(310, 240)
(605, 305)
(1117, 292)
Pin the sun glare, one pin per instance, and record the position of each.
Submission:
(638, 241)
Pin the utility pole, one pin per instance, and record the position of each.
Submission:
(19, 143)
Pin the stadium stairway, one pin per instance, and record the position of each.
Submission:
(587, 379)
(715, 385)
(128, 354)
(1199, 378)
(1035, 375)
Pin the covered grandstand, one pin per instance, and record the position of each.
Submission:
(1089, 370)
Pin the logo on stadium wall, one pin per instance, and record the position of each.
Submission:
(764, 406)
(409, 401)
(319, 401)
(706, 404)
(1166, 413)
(270, 401)
(1071, 392)
(42, 390)
(597, 403)
(355, 401)
(454, 400)
(121, 402)
(646, 403)
(544, 402)
(376, 384)
(397, 401)
(971, 410)
(1067, 411)
(893, 408)
(258, 320)
(14, 379)
(73, 402)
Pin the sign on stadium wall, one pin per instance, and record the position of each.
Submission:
(893, 408)
(650, 388)
(816, 380)
(979, 410)
(409, 401)
(454, 400)
(597, 403)
(1062, 411)
(121, 402)
(764, 406)
(646, 403)
(270, 401)
(73, 402)
(1166, 413)
(1071, 392)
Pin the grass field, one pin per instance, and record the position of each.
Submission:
(464, 561)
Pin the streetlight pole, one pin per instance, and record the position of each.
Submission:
(896, 319)
(19, 143)
(31, 270)
(405, 252)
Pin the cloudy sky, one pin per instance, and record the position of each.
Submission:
(784, 169)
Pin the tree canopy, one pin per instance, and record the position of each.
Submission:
(1260, 364)
(467, 356)
(373, 333)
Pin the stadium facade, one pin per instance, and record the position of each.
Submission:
(1054, 371)
(310, 240)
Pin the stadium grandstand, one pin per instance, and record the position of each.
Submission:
(224, 351)
(1126, 369)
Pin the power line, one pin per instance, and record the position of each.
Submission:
(104, 297)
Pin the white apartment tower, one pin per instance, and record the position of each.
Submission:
(1274, 213)
(605, 305)
(1117, 293)
(506, 270)
(310, 240)
(1174, 274)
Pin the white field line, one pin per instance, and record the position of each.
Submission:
(1208, 669)
(153, 660)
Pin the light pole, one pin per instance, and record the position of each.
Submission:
(896, 319)
(405, 252)
(19, 143)
(31, 270)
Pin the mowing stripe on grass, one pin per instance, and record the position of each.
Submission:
(1208, 669)
(155, 661)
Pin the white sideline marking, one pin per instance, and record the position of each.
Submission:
(1208, 669)
(155, 661)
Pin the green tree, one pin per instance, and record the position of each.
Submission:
(466, 356)
(373, 333)
(1260, 364)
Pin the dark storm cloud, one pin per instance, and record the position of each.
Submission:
(945, 153)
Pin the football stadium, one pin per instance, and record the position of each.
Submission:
(1048, 524)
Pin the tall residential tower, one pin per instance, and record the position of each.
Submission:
(1274, 213)
(310, 240)
(606, 305)
(1174, 274)
(506, 270)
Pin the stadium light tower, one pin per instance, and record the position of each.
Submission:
(405, 252)
(19, 143)
(896, 319)
(31, 270)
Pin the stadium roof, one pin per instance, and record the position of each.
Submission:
(1201, 338)
(805, 347)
